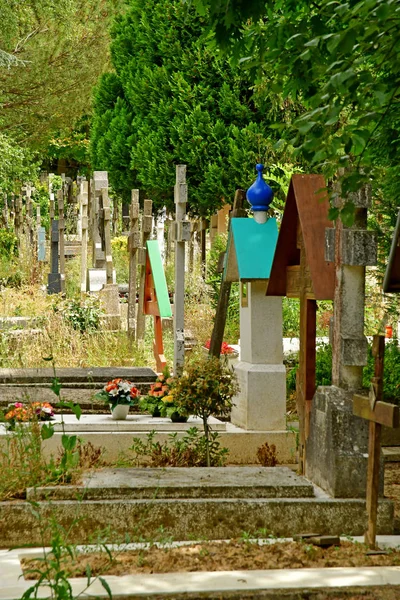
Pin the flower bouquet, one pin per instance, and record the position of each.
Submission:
(18, 412)
(120, 394)
(159, 401)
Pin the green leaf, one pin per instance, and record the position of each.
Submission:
(106, 587)
(347, 214)
(47, 358)
(312, 43)
(333, 42)
(56, 386)
(333, 213)
(47, 431)
(88, 574)
(68, 442)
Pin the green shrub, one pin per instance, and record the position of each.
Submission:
(83, 315)
(391, 378)
(8, 244)
(323, 368)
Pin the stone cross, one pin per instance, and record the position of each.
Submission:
(182, 235)
(147, 221)
(29, 214)
(106, 233)
(18, 220)
(337, 446)
(378, 413)
(133, 245)
(83, 197)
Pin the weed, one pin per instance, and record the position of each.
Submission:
(266, 455)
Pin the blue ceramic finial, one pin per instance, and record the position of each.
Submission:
(259, 194)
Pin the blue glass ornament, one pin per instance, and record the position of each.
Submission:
(259, 194)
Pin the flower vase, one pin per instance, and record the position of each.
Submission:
(177, 418)
(119, 412)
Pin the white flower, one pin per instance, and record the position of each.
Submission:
(126, 387)
(114, 392)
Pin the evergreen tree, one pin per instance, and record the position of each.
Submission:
(172, 100)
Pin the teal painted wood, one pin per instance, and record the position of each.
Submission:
(160, 282)
(254, 247)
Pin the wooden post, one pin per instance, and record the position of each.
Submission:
(106, 217)
(378, 413)
(217, 335)
(84, 199)
(133, 245)
(182, 234)
(61, 239)
(146, 231)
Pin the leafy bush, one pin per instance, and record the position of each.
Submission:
(205, 390)
(391, 377)
(8, 243)
(83, 315)
(188, 451)
(120, 258)
(323, 370)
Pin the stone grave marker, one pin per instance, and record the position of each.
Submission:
(54, 278)
(83, 201)
(61, 237)
(181, 236)
(336, 456)
(133, 245)
(100, 182)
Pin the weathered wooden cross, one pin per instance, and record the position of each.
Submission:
(378, 413)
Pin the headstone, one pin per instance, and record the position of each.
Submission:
(336, 456)
(97, 279)
(182, 235)
(54, 278)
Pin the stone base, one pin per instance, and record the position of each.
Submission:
(337, 447)
(53, 283)
(261, 402)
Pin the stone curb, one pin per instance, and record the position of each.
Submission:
(205, 583)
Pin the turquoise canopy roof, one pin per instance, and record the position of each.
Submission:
(251, 248)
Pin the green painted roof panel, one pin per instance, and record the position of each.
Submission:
(160, 282)
(254, 245)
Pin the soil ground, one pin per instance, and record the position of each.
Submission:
(221, 556)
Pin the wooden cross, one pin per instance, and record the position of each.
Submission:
(378, 413)
(299, 285)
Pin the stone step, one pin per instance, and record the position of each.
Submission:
(185, 519)
(201, 482)
(391, 454)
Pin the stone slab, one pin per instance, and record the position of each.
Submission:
(97, 278)
(391, 454)
(76, 375)
(201, 482)
(187, 518)
(133, 423)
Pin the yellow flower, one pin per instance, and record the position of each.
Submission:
(168, 399)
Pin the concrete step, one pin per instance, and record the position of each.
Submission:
(73, 376)
(391, 454)
(201, 482)
(184, 519)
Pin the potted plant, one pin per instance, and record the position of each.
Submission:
(205, 390)
(120, 394)
(159, 401)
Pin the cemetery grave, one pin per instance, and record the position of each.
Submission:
(190, 502)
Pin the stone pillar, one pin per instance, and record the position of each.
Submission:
(133, 245)
(54, 279)
(147, 223)
(61, 237)
(100, 182)
(182, 234)
(261, 402)
(337, 447)
(84, 199)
